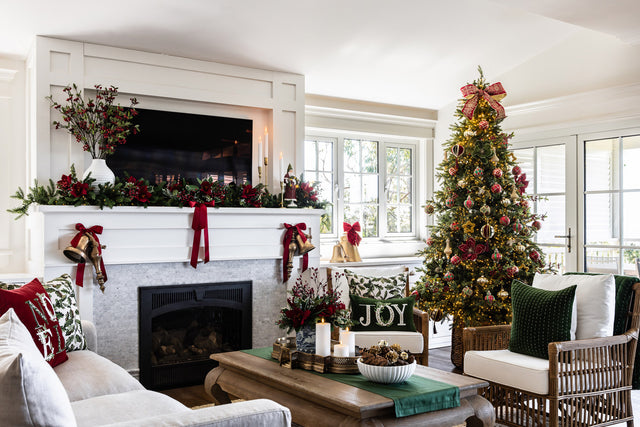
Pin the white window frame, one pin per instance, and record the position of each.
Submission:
(379, 246)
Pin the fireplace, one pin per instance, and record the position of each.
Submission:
(180, 326)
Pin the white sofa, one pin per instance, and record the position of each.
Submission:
(101, 393)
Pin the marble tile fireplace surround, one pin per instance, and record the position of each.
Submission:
(152, 246)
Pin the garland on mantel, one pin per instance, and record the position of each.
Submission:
(70, 190)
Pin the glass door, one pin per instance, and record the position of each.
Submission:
(550, 165)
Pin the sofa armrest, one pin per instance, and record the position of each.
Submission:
(259, 412)
(486, 338)
(90, 334)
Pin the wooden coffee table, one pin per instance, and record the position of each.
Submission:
(318, 401)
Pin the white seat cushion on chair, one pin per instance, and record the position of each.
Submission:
(511, 369)
(595, 300)
(411, 341)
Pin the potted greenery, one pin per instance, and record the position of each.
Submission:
(97, 124)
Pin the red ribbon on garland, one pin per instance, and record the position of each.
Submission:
(288, 237)
(492, 94)
(352, 232)
(200, 223)
(94, 231)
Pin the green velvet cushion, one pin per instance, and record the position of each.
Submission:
(624, 297)
(395, 314)
(539, 317)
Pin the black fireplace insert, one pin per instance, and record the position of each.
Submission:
(182, 325)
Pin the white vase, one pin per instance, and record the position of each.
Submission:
(100, 172)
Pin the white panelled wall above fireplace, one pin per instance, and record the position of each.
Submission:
(271, 99)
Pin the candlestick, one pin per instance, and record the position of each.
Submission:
(349, 338)
(341, 350)
(282, 194)
(323, 338)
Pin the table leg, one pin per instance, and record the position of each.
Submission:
(484, 414)
(213, 389)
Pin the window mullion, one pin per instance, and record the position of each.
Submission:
(382, 189)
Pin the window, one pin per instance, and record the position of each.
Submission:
(369, 180)
(611, 204)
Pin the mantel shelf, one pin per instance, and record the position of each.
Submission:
(138, 235)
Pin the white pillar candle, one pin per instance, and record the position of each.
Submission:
(349, 339)
(323, 338)
(260, 151)
(266, 142)
(341, 350)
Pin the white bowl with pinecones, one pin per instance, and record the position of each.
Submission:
(386, 364)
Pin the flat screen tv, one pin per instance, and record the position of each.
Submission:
(171, 146)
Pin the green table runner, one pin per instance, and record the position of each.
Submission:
(415, 396)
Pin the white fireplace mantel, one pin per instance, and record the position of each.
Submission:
(138, 235)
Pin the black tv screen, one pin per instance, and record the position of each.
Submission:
(171, 146)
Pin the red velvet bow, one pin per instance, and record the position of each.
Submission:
(94, 231)
(352, 232)
(492, 94)
(199, 223)
(288, 237)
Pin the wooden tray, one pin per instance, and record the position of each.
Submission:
(284, 351)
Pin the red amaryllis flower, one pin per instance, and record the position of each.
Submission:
(79, 189)
(309, 191)
(65, 182)
(470, 250)
(250, 196)
(205, 187)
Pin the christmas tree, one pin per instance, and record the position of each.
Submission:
(483, 238)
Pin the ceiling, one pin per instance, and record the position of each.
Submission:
(410, 52)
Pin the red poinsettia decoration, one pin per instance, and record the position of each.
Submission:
(79, 189)
(250, 196)
(470, 249)
(137, 190)
(522, 183)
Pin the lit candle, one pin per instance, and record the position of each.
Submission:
(341, 350)
(323, 338)
(281, 167)
(349, 339)
(260, 150)
(266, 142)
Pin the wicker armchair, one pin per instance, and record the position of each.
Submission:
(589, 381)
(420, 318)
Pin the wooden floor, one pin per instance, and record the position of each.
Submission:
(439, 358)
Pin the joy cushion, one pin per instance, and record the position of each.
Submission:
(34, 308)
(395, 314)
(539, 317)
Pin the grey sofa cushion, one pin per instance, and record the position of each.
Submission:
(87, 375)
(129, 406)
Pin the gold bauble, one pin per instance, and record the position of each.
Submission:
(502, 294)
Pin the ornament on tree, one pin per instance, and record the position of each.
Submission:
(514, 194)
(455, 260)
(453, 171)
(520, 248)
(516, 171)
(524, 203)
(454, 226)
(511, 242)
(468, 203)
(526, 231)
(470, 249)
(489, 298)
(477, 172)
(429, 209)
(536, 224)
(502, 294)
(534, 255)
(497, 172)
(494, 158)
(496, 256)
(496, 188)
(462, 183)
(517, 226)
(457, 150)
(485, 210)
(469, 132)
(481, 191)
(482, 281)
(505, 202)
(504, 220)
(487, 231)
(429, 241)
(468, 227)
(448, 276)
(447, 249)
(512, 271)
(467, 291)
(450, 202)
(436, 315)
(483, 124)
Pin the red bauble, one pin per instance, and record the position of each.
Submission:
(512, 271)
(453, 171)
(455, 260)
(536, 224)
(429, 241)
(454, 226)
(468, 203)
(496, 256)
(504, 220)
(457, 150)
(486, 231)
(497, 172)
(496, 188)
(534, 255)
(483, 124)
(516, 170)
(449, 202)
(448, 276)
(429, 209)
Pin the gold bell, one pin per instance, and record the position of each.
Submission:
(304, 247)
(338, 254)
(351, 251)
(87, 251)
